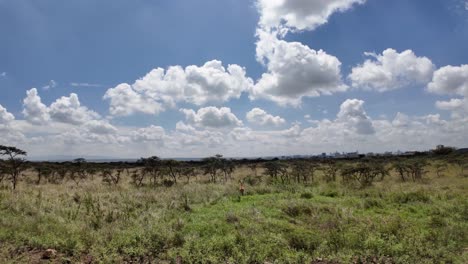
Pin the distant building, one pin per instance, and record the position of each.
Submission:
(352, 155)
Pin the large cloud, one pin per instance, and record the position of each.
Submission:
(391, 70)
(452, 80)
(300, 14)
(198, 85)
(9, 135)
(5, 116)
(69, 110)
(34, 110)
(294, 71)
(258, 116)
(101, 127)
(124, 101)
(352, 113)
(149, 134)
(212, 117)
(66, 109)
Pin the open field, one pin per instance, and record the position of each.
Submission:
(390, 221)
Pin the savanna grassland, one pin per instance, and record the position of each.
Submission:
(326, 213)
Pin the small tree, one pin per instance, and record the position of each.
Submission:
(227, 167)
(303, 171)
(79, 170)
(188, 172)
(14, 164)
(330, 170)
(152, 167)
(276, 169)
(137, 177)
(402, 170)
(212, 166)
(362, 173)
(59, 173)
(43, 171)
(440, 168)
(112, 177)
(411, 169)
(172, 168)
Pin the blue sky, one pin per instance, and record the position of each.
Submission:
(300, 101)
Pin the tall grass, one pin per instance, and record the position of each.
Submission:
(200, 222)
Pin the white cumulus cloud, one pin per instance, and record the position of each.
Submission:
(34, 110)
(148, 134)
(260, 117)
(352, 114)
(102, 127)
(69, 110)
(5, 116)
(391, 70)
(451, 80)
(125, 101)
(161, 89)
(300, 14)
(212, 117)
(294, 71)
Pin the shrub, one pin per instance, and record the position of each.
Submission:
(295, 210)
(412, 197)
(304, 241)
(231, 218)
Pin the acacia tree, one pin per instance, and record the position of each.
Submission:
(79, 171)
(402, 170)
(172, 168)
(137, 177)
(14, 163)
(188, 172)
(112, 177)
(227, 167)
(330, 170)
(364, 173)
(59, 173)
(440, 167)
(303, 171)
(212, 166)
(411, 169)
(276, 169)
(43, 171)
(152, 167)
(417, 169)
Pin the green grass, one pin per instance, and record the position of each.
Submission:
(210, 223)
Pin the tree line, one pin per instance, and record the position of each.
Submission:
(154, 171)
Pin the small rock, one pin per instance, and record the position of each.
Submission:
(49, 254)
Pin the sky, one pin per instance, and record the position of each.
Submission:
(182, 78)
